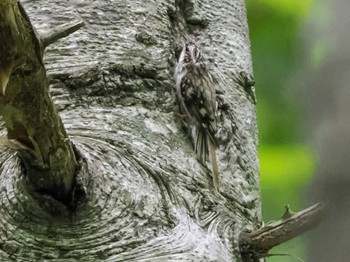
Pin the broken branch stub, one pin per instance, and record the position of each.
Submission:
(256, 245)
(27, 109)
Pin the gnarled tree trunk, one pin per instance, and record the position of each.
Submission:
(146, 196)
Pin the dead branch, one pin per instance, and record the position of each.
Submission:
(255, 245)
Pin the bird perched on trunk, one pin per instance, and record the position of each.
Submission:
(196, 99)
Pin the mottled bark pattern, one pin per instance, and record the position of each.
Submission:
(148, 197)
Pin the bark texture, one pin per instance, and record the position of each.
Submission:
(147, 197)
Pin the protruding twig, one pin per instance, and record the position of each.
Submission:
(60, 32)
(255, 245)
(13, 144)
(288, 213)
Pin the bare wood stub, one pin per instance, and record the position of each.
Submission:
(256, 244)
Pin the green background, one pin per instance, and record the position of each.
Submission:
(278, 30)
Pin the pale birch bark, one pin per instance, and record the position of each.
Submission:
(147, 196)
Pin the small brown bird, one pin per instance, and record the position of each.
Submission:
(196, 98)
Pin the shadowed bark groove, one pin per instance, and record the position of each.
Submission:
(147, 196)
(27, 109)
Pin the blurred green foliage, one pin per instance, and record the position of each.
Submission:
(277, 53)
(286, 161)
(285, 170)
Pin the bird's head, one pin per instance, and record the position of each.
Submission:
(193, 54)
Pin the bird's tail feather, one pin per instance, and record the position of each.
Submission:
(202, 148)
(214, 163)
(204, 144)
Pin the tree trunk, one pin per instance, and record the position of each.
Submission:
(146, 196)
